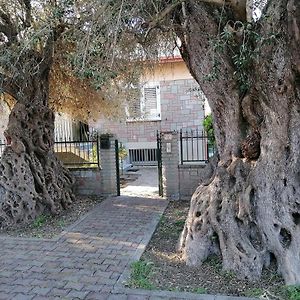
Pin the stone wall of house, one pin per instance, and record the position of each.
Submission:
(181, 107)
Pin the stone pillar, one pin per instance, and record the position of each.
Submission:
(170, 161)
(108, 164)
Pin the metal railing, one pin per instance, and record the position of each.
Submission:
(74, 154)
(78, 154)
(195, 146)
(143, 156)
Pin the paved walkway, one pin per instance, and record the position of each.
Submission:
(90, 260)
(146, 184)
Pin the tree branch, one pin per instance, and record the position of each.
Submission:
(7, 27)
(8, 86)
(239, 7)
(154, 23)
(27, 7)
(49, 46)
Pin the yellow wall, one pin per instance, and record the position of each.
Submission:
(168, 71)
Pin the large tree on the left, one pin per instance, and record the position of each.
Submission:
(34, 37)
(32, 180)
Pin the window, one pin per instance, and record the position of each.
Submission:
(147, 107)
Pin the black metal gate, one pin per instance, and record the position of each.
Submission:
(159, 165)
(117, 167)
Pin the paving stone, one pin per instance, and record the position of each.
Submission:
(41, 291)
(21, 296)
(74, 285)
(77, 294)
(137, 297)
(59, 292)
(86, 262)
(97, 296)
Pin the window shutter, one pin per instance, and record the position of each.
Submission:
(147, 107)
(151, 102)
(134, 109)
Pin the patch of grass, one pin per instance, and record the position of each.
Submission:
(163, 220)
(179, 213)
(199, 290)
(215, 262)
(291, 292)
(61, 223)
(39, 221)
(180, 223)
(141, 273)
(255, 292)
(228, 275)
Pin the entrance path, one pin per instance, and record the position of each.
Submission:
(90, 260)
(146, 184)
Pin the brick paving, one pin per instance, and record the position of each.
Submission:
(87, 261)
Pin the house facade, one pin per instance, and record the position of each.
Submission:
(171, 101)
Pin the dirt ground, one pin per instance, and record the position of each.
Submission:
(46, 226)
(171, 273)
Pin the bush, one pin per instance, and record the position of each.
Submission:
(208, 126)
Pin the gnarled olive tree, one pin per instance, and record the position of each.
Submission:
(249, 209)
(245, 56)
(57, 54)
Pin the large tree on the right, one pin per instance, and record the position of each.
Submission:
(249, 68)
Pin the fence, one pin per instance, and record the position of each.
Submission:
(74, 154)
(143, 156)
(78, 154)
(195, 146)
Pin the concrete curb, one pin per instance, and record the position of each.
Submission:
(176, 295)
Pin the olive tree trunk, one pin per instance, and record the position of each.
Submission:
(249, 210)
(32, 180)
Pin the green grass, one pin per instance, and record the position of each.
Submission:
(291, 292)
(141, 273)
(61, 223)
(199, 290)
(215, 262)
(255, 292)
(39, 221)
(180, 223)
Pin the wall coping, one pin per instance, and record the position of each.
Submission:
(85, 169)
(202, 166)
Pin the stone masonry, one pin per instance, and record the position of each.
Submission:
(180, 108)
(98, 181)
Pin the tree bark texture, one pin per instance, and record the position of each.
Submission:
(249, 210)
(32, 180)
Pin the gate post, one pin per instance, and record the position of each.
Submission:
(170, 161)
(108, 164)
